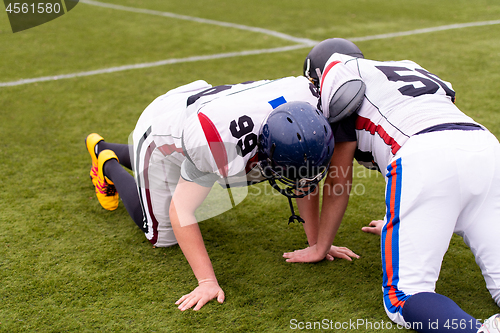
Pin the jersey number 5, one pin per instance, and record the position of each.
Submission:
(431, 82)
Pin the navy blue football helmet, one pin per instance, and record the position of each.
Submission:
(316, 59)
(295, 148)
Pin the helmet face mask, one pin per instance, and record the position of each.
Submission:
(307, 73)
(295, 148)
(292, 188)
(298, 188)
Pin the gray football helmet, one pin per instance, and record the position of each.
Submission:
(319, 55)
(349, 97)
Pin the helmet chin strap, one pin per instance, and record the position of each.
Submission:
(294, 217)
(288, 192)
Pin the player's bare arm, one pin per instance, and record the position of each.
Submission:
(309, 211)
(335, 199)
(187, 197)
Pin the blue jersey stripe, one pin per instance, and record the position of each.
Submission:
(394, 299)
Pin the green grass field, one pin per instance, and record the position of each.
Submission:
(67, 265)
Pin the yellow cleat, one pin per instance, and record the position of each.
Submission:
(105, 189)
(91, 141)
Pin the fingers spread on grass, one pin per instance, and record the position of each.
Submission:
(342, 252)
(221, 297)
(187, 302)
(200, 296)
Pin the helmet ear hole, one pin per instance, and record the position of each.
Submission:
(289, 120)
(299, 137)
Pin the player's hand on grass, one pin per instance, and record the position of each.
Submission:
(375, 227)
(206, 291)
(340, 252)
(309, 254)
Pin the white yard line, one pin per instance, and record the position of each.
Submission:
(425, 30)
(302, 43)
(202, 20)
(150, 64)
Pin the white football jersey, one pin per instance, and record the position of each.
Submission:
(222, 123)
(401, 99)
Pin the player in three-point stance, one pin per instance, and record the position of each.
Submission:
(442, 172)
(196, 135)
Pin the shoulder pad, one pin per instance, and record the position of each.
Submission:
(346, 100)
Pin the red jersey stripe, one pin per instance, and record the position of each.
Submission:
(327, 69)
(215, 143)
(366, 124)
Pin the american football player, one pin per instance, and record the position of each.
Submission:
(442, 172)
(196, 135)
